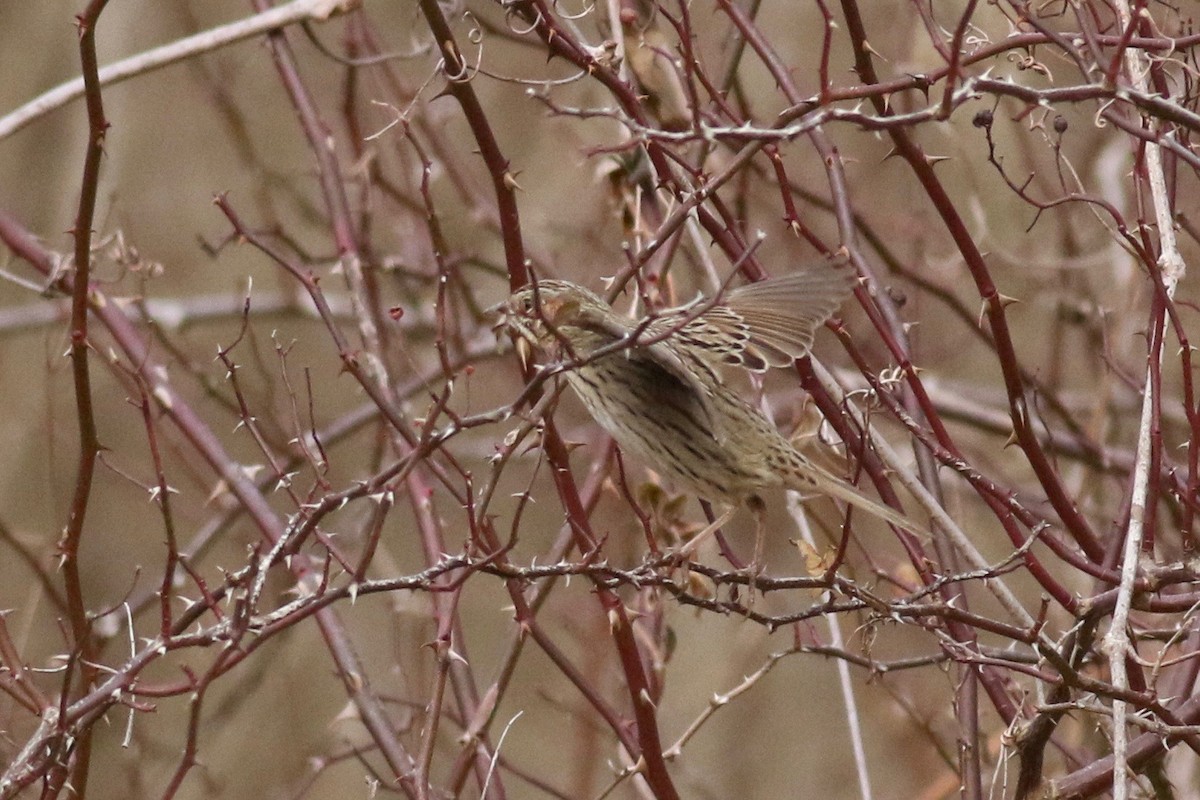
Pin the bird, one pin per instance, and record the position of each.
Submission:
(655, 383)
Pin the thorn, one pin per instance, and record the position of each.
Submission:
(1006, 301)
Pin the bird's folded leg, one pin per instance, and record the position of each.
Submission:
(759, 510)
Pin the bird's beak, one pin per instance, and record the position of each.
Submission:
(503, 314)
(524, 351)
(510, 321)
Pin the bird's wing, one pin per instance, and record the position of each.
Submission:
(678, 369)
(765, 324)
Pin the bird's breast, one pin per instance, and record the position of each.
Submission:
(659, 417)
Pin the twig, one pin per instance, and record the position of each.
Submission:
(1116, 645)
(179, 50)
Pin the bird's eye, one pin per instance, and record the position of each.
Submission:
(527, 303)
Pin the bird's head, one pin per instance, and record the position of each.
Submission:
(545, 314)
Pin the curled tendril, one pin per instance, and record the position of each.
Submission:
(476, 36)
(476, 33)
(467, 73)
(974, 41)
(588, 9)
(1028, 62)
(509, 14)
(1183, 66)
(542, 83)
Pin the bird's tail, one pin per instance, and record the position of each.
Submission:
(812, 477)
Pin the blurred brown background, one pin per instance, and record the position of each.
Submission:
(279, 724)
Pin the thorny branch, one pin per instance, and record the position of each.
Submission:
(1015, 185)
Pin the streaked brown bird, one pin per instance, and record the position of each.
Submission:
(654, 385)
